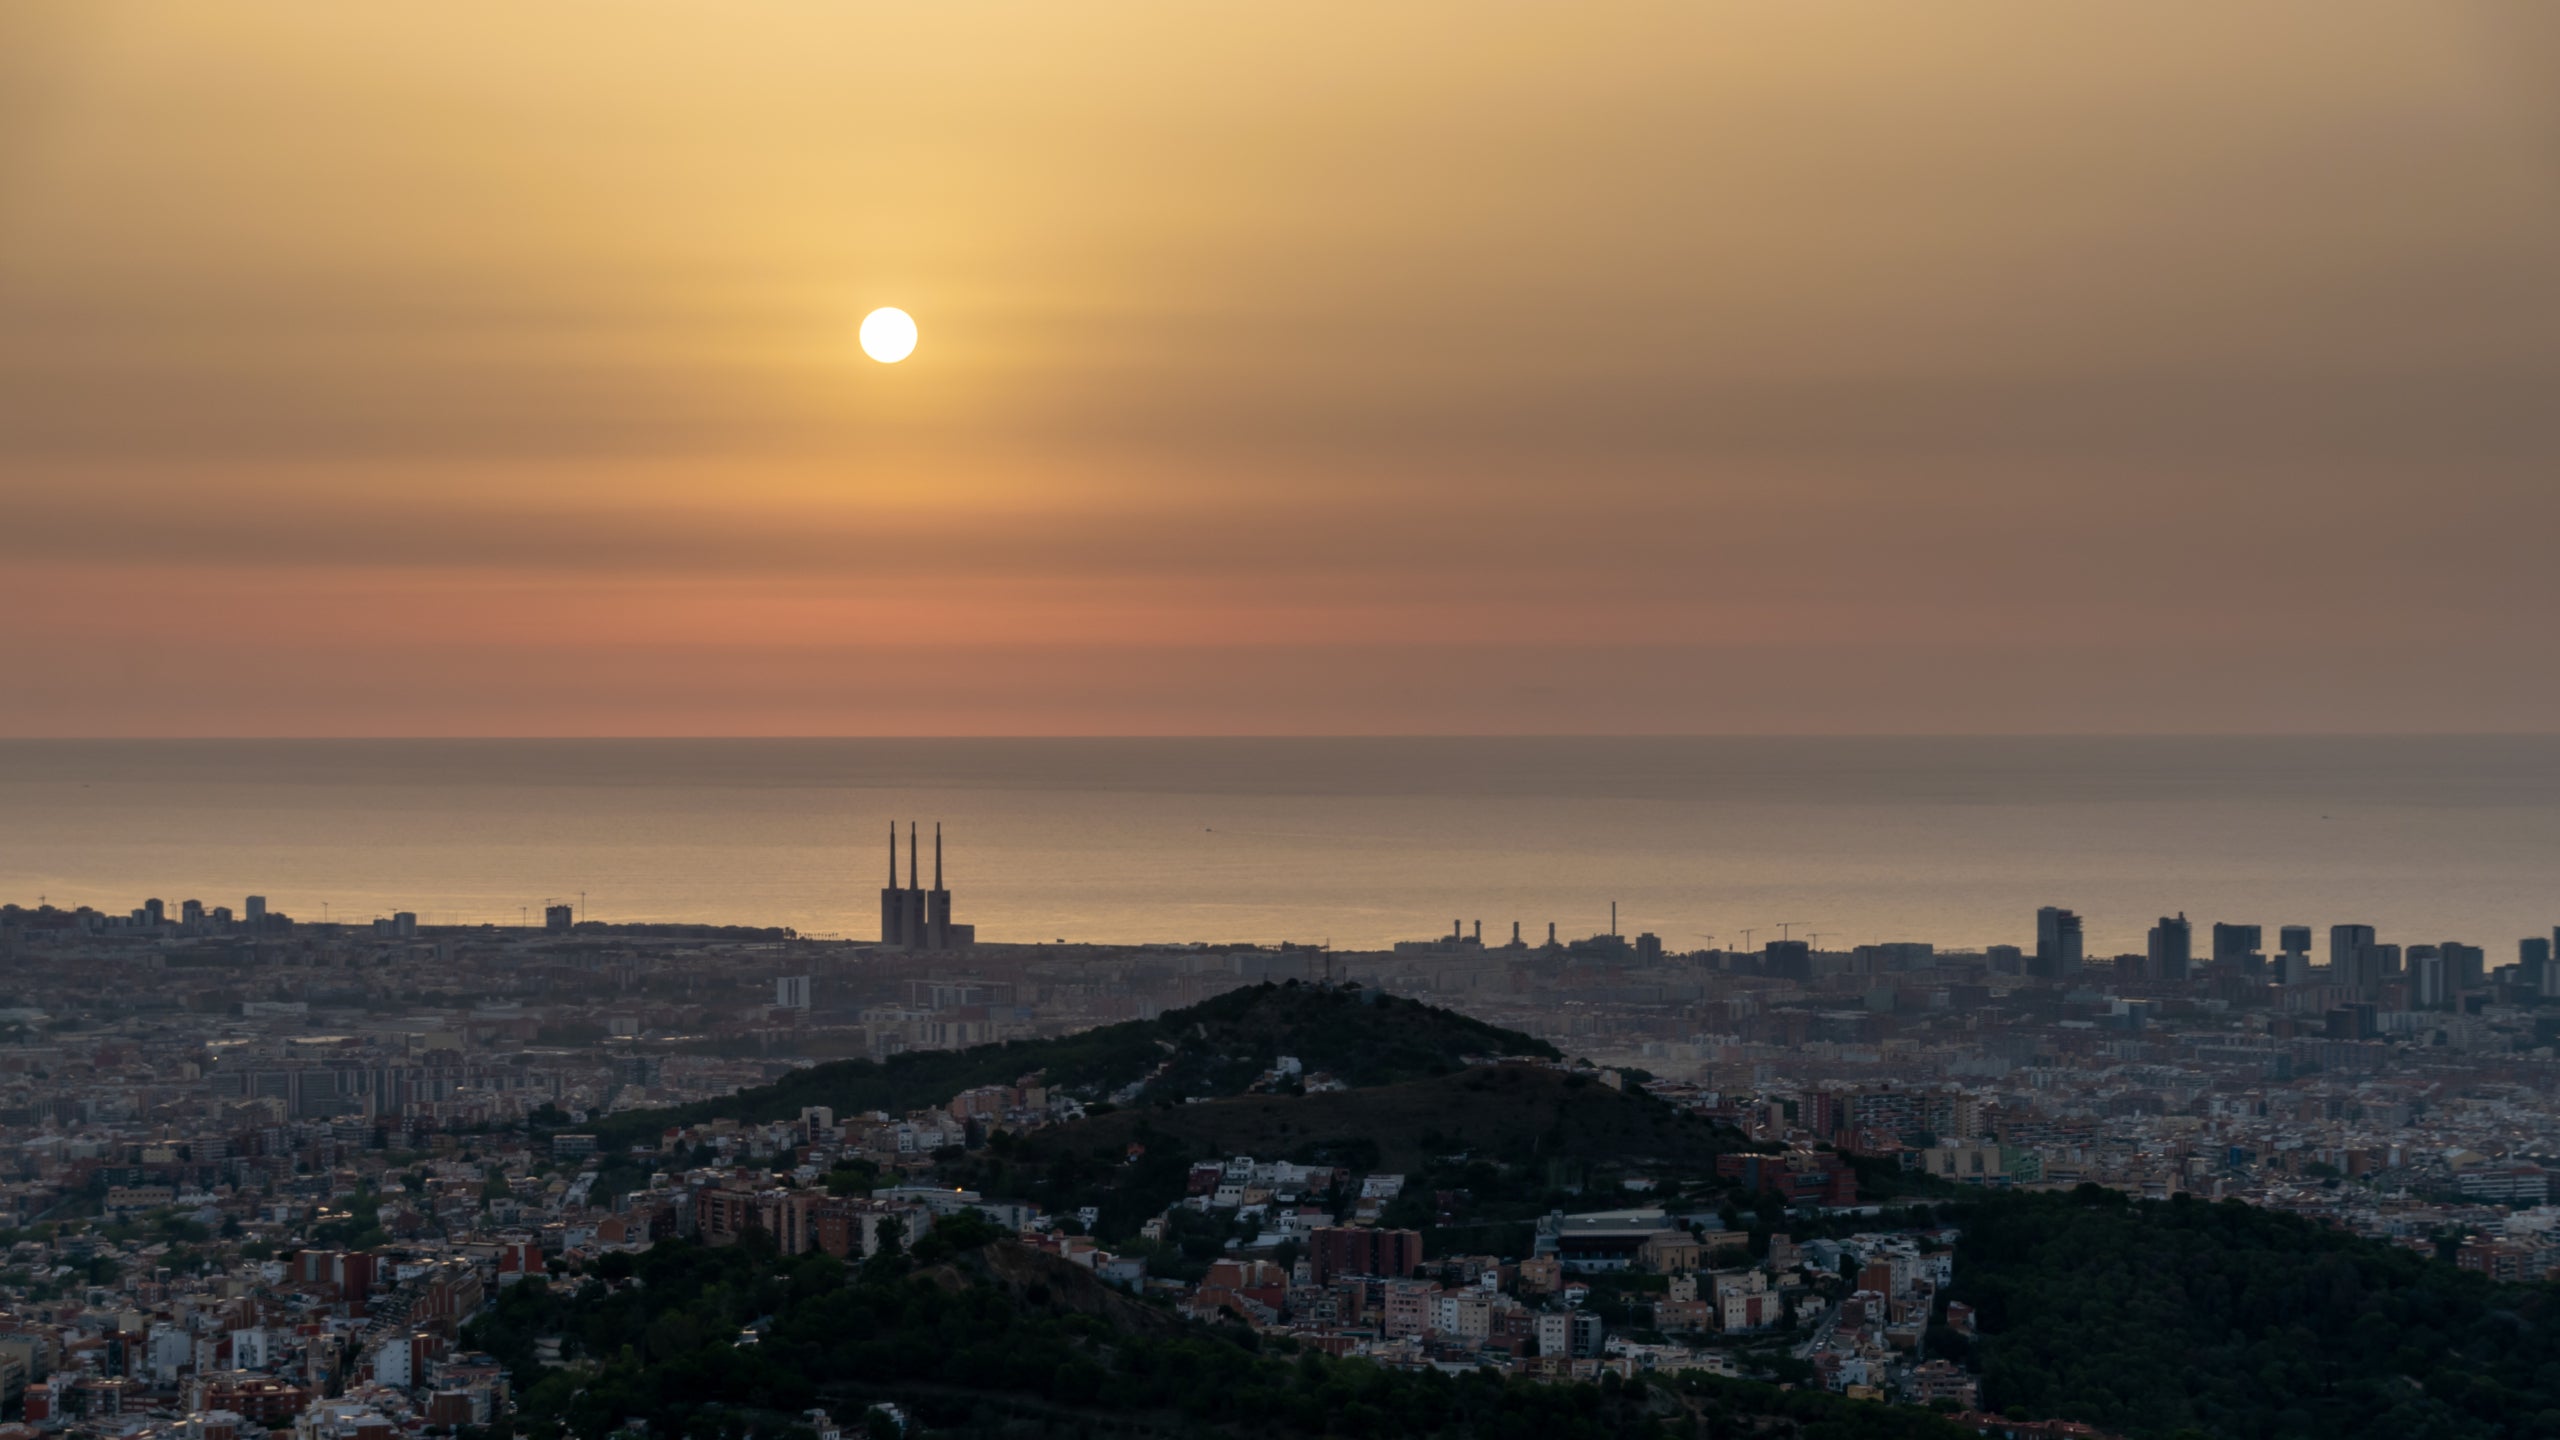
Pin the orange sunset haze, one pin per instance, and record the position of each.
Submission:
(493, 369)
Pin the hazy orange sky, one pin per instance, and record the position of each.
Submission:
(489, 368)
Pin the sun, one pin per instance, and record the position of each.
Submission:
(888, 335)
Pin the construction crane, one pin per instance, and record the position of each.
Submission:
(1785, 925)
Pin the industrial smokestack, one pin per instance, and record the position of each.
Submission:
(894, 929)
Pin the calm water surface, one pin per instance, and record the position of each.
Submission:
(1357, 841)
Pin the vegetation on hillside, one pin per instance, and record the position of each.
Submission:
(2226, 1319)
(1487, 1149)
(1217, 1047)
(975, 1336)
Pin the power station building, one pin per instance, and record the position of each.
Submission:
(916, 918)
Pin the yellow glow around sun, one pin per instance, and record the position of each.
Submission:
(888, 335)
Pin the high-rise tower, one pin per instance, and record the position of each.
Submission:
(2354, 959)
(2058, 941)
(2173, 948)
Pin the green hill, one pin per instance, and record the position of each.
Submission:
(2158, 1319)
(1217, 1047)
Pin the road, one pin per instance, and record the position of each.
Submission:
(1821, 1332)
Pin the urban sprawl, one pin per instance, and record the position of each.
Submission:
(262, 1173)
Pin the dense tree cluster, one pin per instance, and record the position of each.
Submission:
(738, 1341)
(2231, 1320)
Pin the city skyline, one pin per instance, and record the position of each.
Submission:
(915, 919)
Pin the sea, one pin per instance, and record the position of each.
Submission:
(1354, 842)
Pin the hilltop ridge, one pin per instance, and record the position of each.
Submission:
(1220, 1047)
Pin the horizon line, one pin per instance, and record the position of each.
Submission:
(1308, 736)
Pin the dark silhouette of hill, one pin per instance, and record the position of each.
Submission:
(2162, 1319)
(1218, 1047)
(977, 1337)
